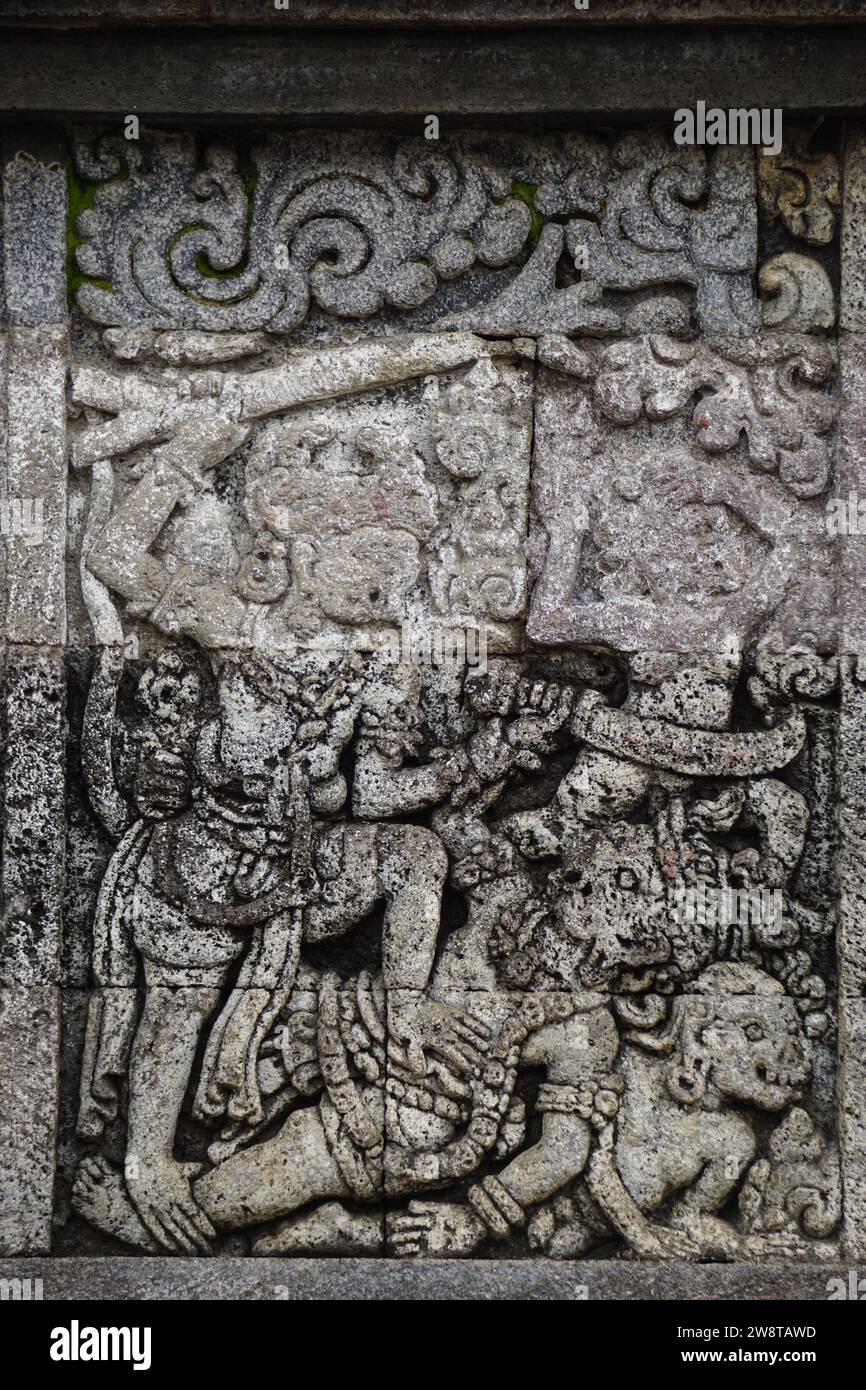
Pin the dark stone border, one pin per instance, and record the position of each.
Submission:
(526, 76)
(262, 13)
(125, 1278)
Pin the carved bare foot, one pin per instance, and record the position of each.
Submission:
(327, 1230)
(713, 1238)
(99, 1196)
(161, 1194)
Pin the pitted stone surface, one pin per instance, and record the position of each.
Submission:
(680, 495)
(186, 236)
(463, 734)
(526, 921)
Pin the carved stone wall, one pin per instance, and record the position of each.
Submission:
(434, 711)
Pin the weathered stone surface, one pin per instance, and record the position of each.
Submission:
(462, 846)
(29, 1052)
(31, 872)
(35, 501)
(845, 512)
(852, 312)
(801, 187)
(76, 1278)
(34, 228)
(852, 1040)
(569, 930)
(354, 223)
(384, 891)
(405, 510)
(446, 12)
(549, 77)
(852, 954)
(679, 496)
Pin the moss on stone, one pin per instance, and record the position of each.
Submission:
(80, 196)
(526, 193)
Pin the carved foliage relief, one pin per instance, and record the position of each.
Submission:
(454, 684)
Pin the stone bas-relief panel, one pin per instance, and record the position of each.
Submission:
(596, 232)
(454, 694)
(196, 233)
(472, 984)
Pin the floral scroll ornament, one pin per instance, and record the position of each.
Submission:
(179, 236)
(801, 189)
(765, 391)
(176, 233)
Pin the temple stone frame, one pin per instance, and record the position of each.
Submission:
(433, 855)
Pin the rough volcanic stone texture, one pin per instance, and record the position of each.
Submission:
(29, 1052)
(530, 950)
(487, 1280)
(33, 817)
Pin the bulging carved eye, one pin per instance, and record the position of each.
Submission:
(627, 878)
(754, 1032)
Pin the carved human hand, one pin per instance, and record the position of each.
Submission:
(543, 707)
(453, 763)
(324, 734)
(710, 1237)
(457, 777)
(437, 1228)
(548, 701)
(161, 1194)
(423, 1030)
(194, 420)
(664, 1243)
(782, 1244)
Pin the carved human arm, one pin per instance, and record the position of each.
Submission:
(121, 558)
(323, 373)
(496, 1205)
(147, 412)
(556, 1160)
(696, 752)
(121, 555)
(383, 788)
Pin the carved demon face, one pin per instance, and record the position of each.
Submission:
(752, 1050)
(610, 904)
